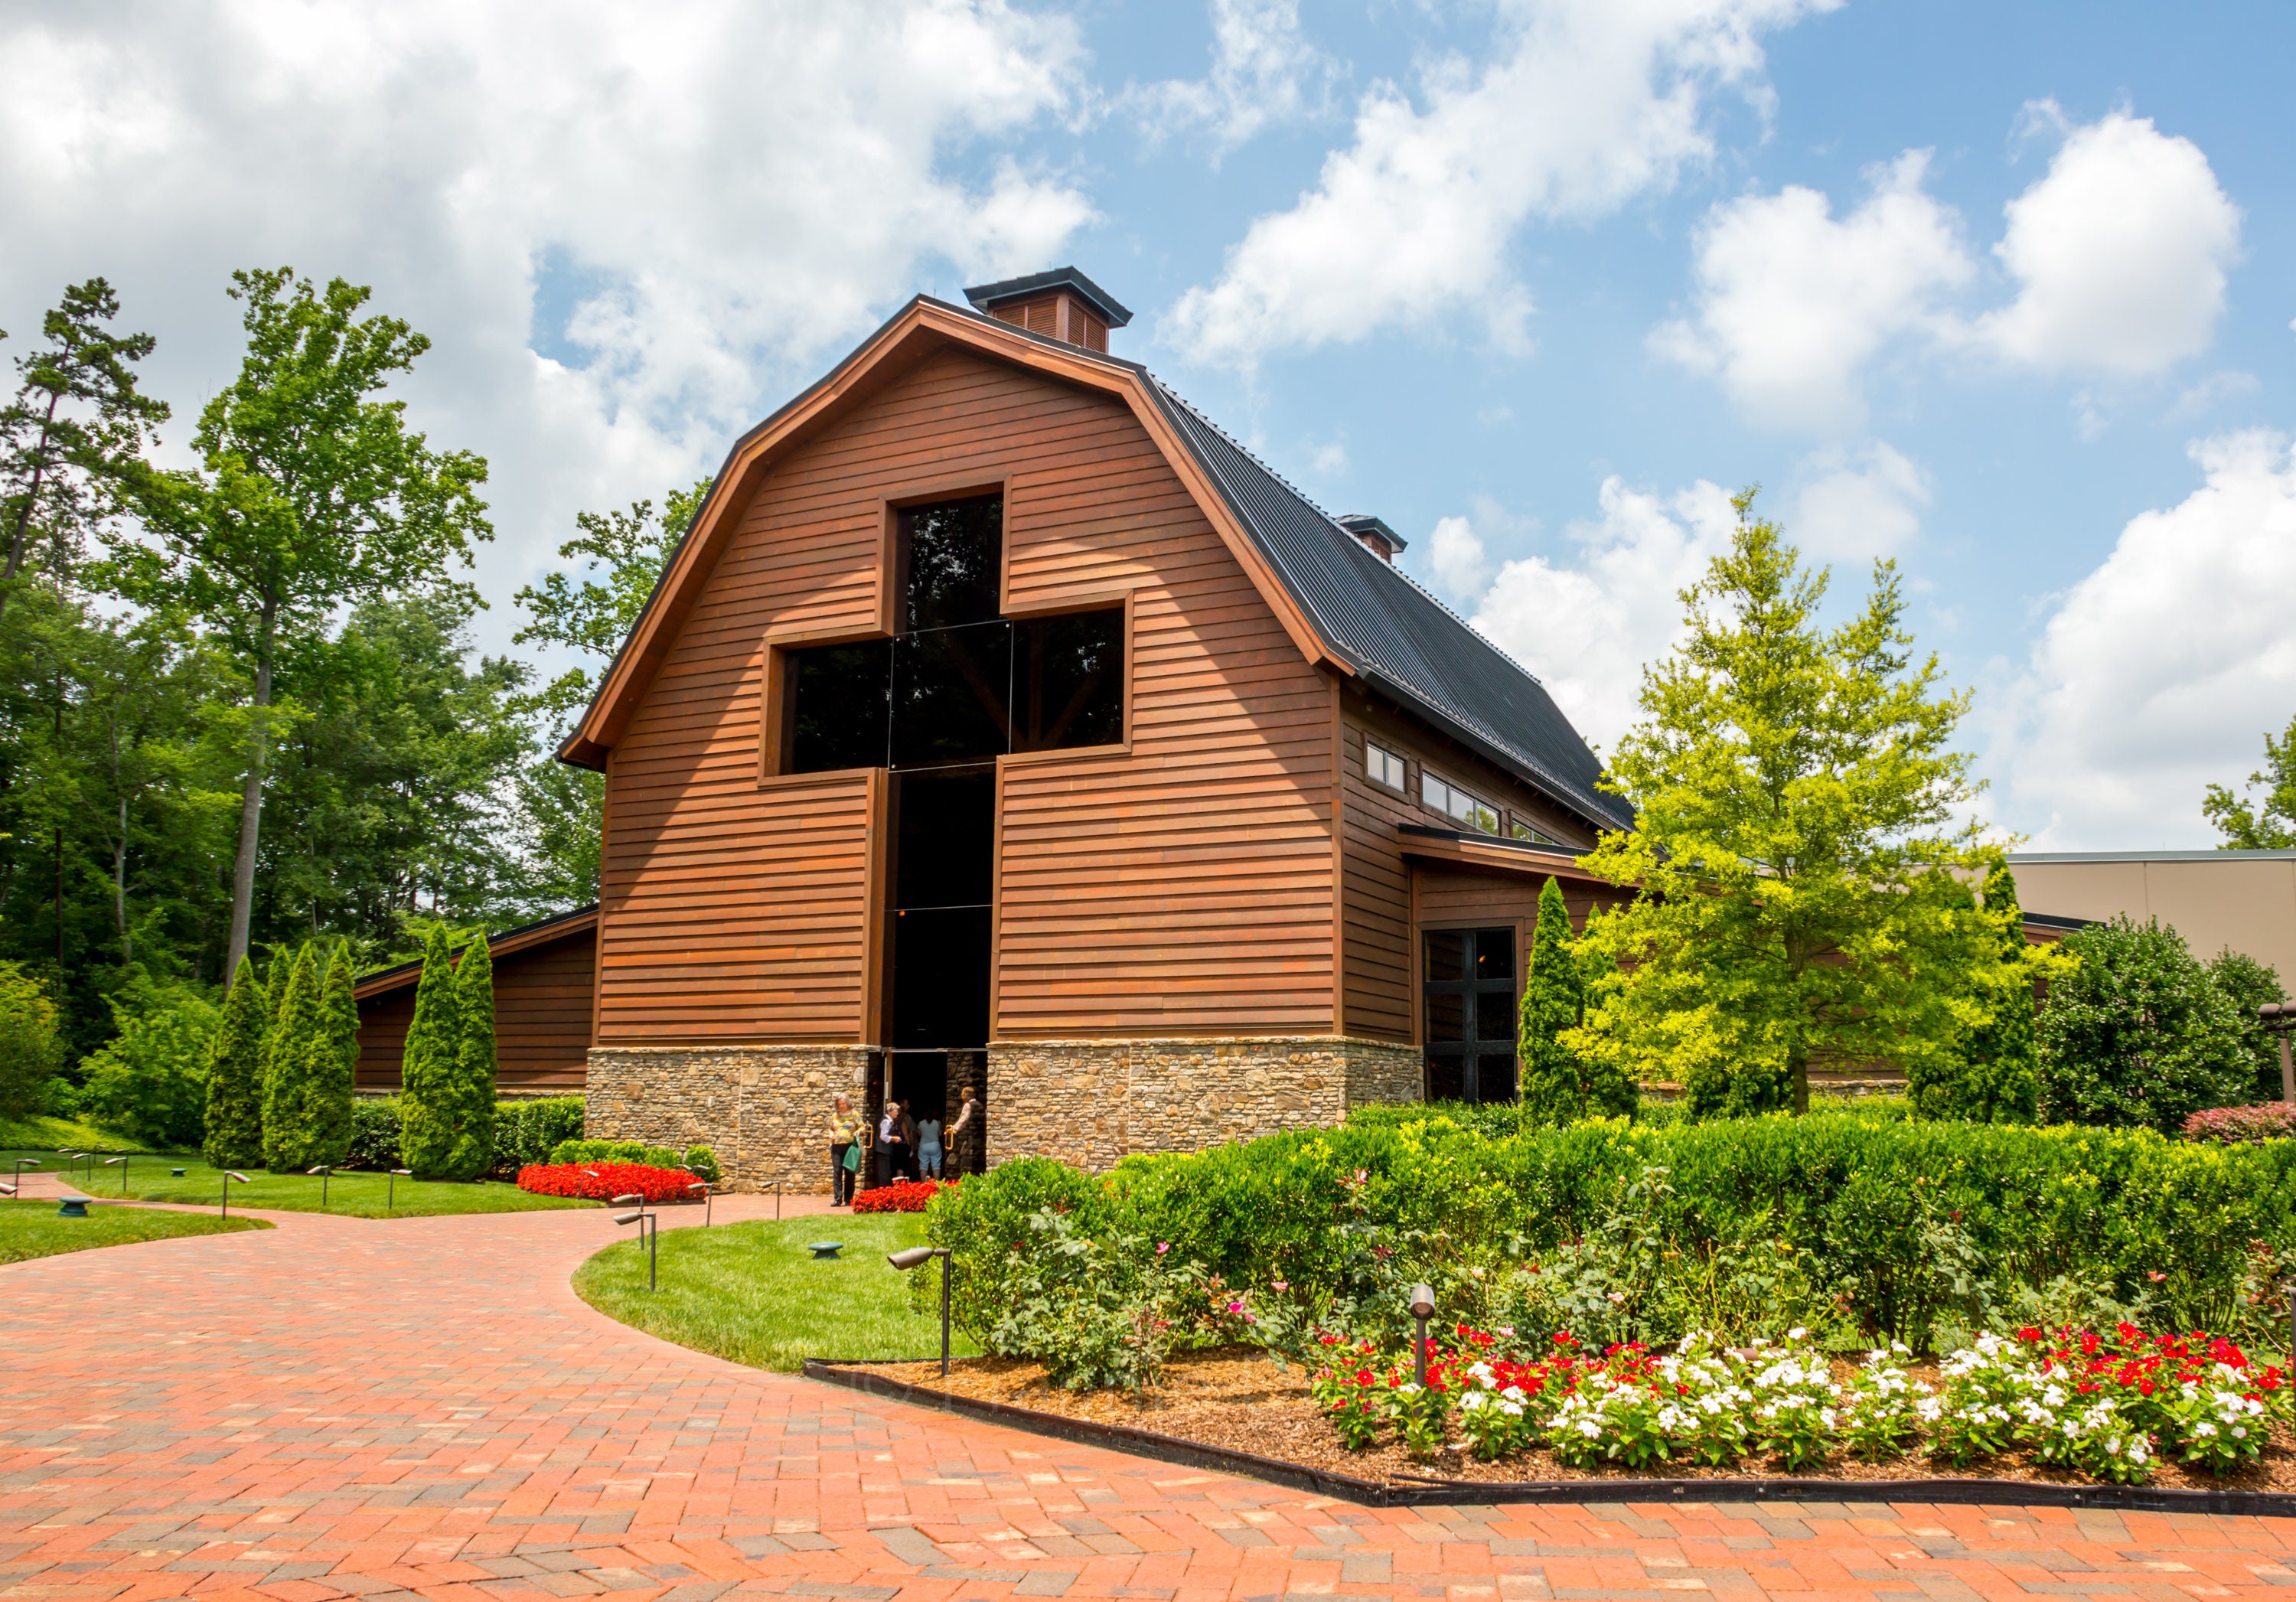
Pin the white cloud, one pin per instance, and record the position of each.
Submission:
(2211, 392)
(1264, 72)
(2119, 254)
(1793, 303)
(1858, 505)
(1455, 553)
(2159, 672)
(1577, 106)
(738, 190)
(1586, 629)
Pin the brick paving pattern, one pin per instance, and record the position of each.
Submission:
(347, 1409)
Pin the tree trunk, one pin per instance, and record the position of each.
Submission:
(250, 798)
(59, 897)
(1798, 1067)
(120, 888)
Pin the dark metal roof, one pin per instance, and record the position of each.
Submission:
(1399, 637)
(410, 969)
(1360, 523)
(985, 295)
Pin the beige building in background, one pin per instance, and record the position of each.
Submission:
(2243, 900)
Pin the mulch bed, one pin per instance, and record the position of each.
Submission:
(1236, 1400)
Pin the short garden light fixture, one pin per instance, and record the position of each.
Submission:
(17, 1178)
(390, 1188)
(709, 1199)
(649, 1238)
(232, 1176)
(122, 1160)
(916, 1257)
(325, 1170)
(1422, 1308)
(2279, 1017)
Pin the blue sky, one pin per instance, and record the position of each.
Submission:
(2003, 292)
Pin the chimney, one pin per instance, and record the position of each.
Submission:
(1063, 304)
(1383, 541)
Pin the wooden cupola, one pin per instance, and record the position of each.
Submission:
(1381, 540)
(1063, 304)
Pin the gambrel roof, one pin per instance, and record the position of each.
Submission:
(1344, 606)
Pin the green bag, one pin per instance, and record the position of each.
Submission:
(853, 1157)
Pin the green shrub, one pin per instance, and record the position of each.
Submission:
(374, 1135)
(1558, 1085)
(474, 1062)
(526, 1131)
(2139, 1035)
(29, 1053)
(623, 1151)
(149, 1081)
(334, 1059)
(428, 1104)
(297, 1069)
(702, 1160)
(2249, 984)
(234, 1125)
(1861, 1227)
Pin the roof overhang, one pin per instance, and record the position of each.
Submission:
(1484, 854)
(583, 920)
(922, 328)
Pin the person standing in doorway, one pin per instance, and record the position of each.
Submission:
(970, 1135)
(845, 1130)
(929, 1147)
(891, 1154)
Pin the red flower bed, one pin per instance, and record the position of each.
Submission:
(603, 1181)
(2230, 1126)
(903, 1195)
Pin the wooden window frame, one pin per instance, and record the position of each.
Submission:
(1108, 601)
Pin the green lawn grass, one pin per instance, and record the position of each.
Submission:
(43, 1136)
(750, 1293)
(33, 1229)
(353, 1194)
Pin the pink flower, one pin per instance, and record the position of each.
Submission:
(1163, 1246)
(1282, 1285)
(1236, 1307)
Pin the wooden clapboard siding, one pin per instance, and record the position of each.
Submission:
(1377, 903)
(542, 1018)
(1180, 885)
(1183, 886)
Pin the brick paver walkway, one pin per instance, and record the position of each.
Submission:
(341, 1408)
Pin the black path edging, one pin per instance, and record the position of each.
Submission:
(1423, 1491)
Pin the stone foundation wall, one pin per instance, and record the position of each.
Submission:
(1091, 1103)
(763, 1110)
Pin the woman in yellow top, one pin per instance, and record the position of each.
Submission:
(847, 1129)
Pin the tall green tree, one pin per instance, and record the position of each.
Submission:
(624, 554)
(295, 1070)
(313, 491)
(234, 1110)
(27, 1041)
(474, 1062)
(1994, 1077)
(72, 439)
(1559, 1086)
(1794, 848)
(2268, 822)
(429, 1106)
(338, 1082)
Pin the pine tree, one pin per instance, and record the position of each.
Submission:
(337, 1083)
(234, 1115)
(427, 1073)
(300, 1054)
(1553, 999)
(474, 1150)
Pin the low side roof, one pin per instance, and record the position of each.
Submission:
(542, 931)
(1370, 620)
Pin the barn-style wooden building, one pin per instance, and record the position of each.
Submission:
(1000, 721)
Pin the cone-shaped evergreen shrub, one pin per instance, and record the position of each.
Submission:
(274, 996)
(234, 1112)
(301, 1054)
(474, 1151)
(1995, 1078)
(1559, 1086)
(336, 1085)
(427, 1102)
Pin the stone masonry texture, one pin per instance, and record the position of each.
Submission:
(1091, 1103)
(763, 1111)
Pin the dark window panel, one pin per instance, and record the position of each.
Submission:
(838, 706)
(1069, 684)
(1495, 1015)
(950, 689)
(1494, 954)
(1447, 1017)
(945, 855)
(940, 978)
(1493, 1078)
(1446, 954)
(952, 553)
(1444, 1079)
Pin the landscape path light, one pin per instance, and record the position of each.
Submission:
(230, 1176)
(2279, 1017)
(649, 1238)
(122, 1160)
(709, 1197)
(390, 1188)
(325, 1170)
(916, 1257)
(16, 1180)
(1422, 1308)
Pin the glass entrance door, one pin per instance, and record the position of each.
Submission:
(1470, 1009)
